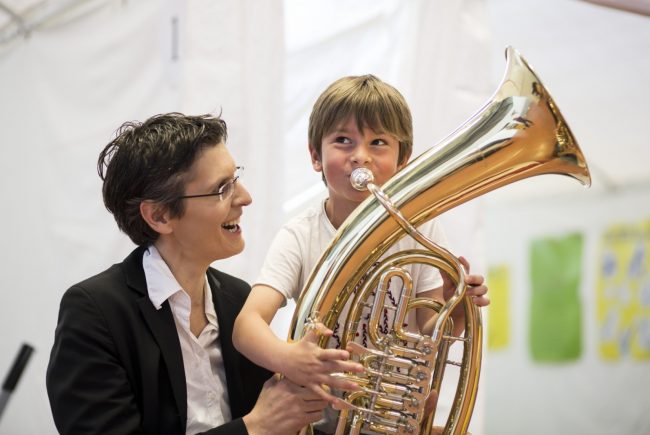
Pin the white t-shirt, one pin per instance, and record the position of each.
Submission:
(300, 243)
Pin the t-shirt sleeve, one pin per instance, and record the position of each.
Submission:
(429, 277)
(283, 265)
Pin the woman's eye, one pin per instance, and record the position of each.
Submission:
(221, 187)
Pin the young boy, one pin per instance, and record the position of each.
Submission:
(356, 122)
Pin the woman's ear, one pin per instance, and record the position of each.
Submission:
(155, 215)
(315, 160)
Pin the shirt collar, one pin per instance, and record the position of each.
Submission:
(325, 220)
(210, 312)
(161, 283)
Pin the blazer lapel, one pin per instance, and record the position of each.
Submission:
(161, 323)
(162, 326)
(226, 308)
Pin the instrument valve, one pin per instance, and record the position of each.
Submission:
(455, 338)
(406, 425)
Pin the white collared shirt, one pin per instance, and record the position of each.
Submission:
(205, 377)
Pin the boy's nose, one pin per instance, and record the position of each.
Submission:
(361, 155)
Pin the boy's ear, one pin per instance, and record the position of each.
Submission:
(315, 160)
(155, 215)
(404, 161)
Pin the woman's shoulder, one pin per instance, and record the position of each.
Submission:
(122, 281)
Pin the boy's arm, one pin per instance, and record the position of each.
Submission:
(303, 362)
(252, 335)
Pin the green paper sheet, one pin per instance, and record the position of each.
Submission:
(555, 308)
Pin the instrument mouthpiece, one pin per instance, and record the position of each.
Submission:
(360, 178)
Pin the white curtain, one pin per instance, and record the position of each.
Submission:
(234, 64)
(67, 88)
(63, 93)
(435, 53)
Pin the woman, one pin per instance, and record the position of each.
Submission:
(145, 346)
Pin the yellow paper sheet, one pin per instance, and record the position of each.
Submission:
(623, 292)
(498, 281)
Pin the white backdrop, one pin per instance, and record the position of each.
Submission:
(65, 90)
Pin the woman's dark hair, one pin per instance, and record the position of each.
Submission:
(149, 161)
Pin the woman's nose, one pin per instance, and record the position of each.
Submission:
(242, 196)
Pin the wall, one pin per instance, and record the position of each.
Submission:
(582, 395)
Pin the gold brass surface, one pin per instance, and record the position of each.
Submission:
(519, 133)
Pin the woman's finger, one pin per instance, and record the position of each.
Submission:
(324, 395)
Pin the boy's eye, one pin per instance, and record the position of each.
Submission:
(379, 142)
(342, 139)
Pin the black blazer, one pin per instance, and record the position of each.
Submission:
(116, 366)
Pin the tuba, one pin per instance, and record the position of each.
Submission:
(517, 134)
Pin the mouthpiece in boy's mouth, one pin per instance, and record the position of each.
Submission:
(360, 178)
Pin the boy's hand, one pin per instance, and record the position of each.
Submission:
(476, 287)
(431, 402)
(476, 290)
(309, 365)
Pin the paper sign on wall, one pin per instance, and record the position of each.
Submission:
(498, 280)
(556, 309)
(623, 292)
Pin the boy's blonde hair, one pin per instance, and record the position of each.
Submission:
(371, 102)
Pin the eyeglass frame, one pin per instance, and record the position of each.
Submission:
(230, 183)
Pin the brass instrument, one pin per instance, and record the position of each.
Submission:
(519, 133)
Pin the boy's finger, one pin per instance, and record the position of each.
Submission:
(343, 366)
(315, 331)
(478, 290)
(474, 279)
(481, 301)
(431, 402)
(334, 355)
(322, 329)
(342, 384)
(464, 262)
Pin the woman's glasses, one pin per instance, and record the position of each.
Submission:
(225, 190)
